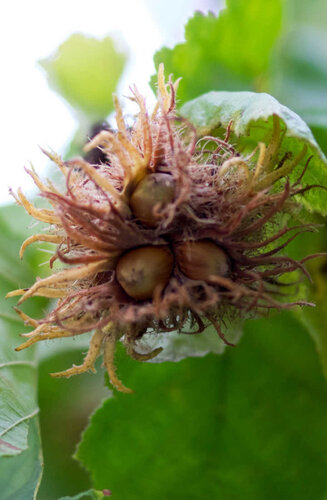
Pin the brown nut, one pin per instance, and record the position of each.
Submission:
(199, 260)
(143, 270)
(155, 191)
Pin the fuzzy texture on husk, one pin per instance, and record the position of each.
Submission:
(220, 196)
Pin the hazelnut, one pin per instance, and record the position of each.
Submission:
(199, 260)
(143, 270)
(155, 191)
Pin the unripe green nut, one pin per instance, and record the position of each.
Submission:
(153, 191)
(143, 270)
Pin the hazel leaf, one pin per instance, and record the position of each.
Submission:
(20, 475)
(314, 319)
(231, 50)
(233, 426)
(85, 71)
(20, 448)
(18, 383)
(252, 122)
(177, 346)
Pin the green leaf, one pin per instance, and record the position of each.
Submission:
(18, 382)
(230, 51)
(20, 475)
(20, 450)
(300, 75)
(85, 71)
(276, 47)
(65, 404)
(314, 319)
(177, 346)
(250, 424)
(252, 116)
(87, 495)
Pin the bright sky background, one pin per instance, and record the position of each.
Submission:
(31, 114)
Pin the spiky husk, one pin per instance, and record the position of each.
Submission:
(233, 200)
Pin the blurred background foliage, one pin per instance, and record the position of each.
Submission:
(248, 424)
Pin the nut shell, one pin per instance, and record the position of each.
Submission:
(199, 260)
(143, 270)
(155, 191)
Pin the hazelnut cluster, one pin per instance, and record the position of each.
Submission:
(169, 232)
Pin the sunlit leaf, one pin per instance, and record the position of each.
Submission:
(231, 51)
(85, 71)
(252, 116)
(257, 45)
(249, 424)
